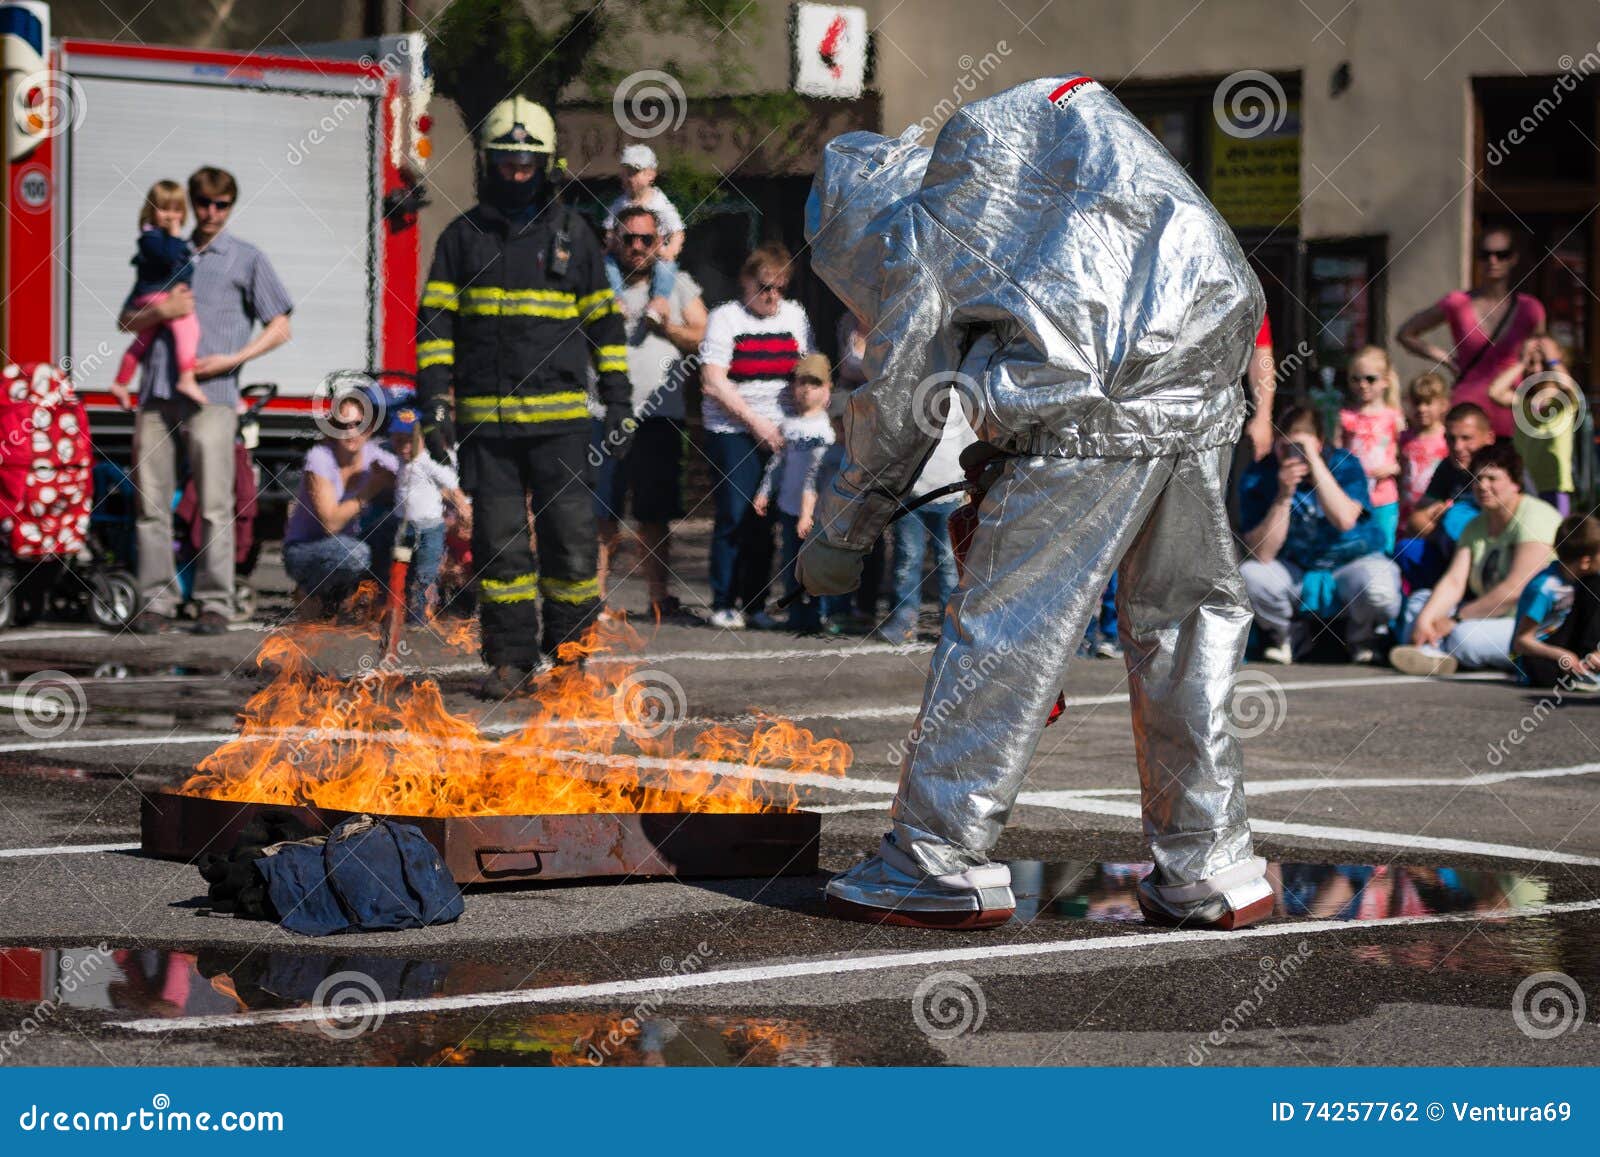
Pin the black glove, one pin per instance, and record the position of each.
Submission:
(828, 570)
(620, 428)
(439, 431)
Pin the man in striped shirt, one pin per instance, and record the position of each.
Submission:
(235, 288)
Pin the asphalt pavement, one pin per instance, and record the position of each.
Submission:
(1434, 843)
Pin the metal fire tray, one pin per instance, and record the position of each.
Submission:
(516, 849)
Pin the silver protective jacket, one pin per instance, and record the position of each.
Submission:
(1055, 265)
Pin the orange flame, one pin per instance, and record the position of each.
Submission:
(600, 737)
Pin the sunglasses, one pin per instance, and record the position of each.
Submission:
(1367, 378)
(639, 238)
(1496, 254)
(345, 426)
(212, 203)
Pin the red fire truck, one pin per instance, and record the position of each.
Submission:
(329, 151)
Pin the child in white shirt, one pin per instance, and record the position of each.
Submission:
(421, 489)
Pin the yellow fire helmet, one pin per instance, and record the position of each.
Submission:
(518, 125)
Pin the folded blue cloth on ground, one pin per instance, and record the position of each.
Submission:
(369, 874)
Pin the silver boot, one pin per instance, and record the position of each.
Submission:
(889, 888)
(1232, 898)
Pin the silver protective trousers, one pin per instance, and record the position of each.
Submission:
(1051, 533)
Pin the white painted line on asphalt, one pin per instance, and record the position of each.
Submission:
(645, 659)
(1129, 809)
(25, 636)
(64, 850)
(121, 741)
(1481, 779)
(909, 710)
(836, 966)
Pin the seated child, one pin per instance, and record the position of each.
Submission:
(639, 188)
(1556, 642)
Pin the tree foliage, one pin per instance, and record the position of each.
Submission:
(486, 50)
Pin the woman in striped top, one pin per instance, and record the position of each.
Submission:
(747, 357)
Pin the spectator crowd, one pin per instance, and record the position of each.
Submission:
(1430, 524)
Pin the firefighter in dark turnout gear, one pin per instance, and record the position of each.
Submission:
(515, 311)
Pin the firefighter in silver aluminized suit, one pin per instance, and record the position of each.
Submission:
(1050, 261)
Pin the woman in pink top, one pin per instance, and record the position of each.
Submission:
(1488, 325)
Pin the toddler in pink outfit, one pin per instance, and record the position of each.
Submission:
(163, 260)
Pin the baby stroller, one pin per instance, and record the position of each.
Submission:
(47, 562)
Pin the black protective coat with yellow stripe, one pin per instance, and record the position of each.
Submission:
(512, 319)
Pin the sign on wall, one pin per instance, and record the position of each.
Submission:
(1255, 179)
(830, 50)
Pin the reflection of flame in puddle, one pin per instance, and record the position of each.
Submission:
(385, 745)
(172, 984)
(610, 1038)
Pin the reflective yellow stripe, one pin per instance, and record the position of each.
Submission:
(611, 359)
(570, 590)
(489, 301)
(600, 303)
(517, 590)
(440, 352)
(440, 295)
(559, 407)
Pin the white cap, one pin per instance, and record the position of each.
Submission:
(638, 157)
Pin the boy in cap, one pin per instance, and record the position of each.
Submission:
(791, 479)
(639, 191)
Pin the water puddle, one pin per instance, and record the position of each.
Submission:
(157, 983)
(1086, 890)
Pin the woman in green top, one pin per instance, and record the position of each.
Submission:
(1467, 619)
